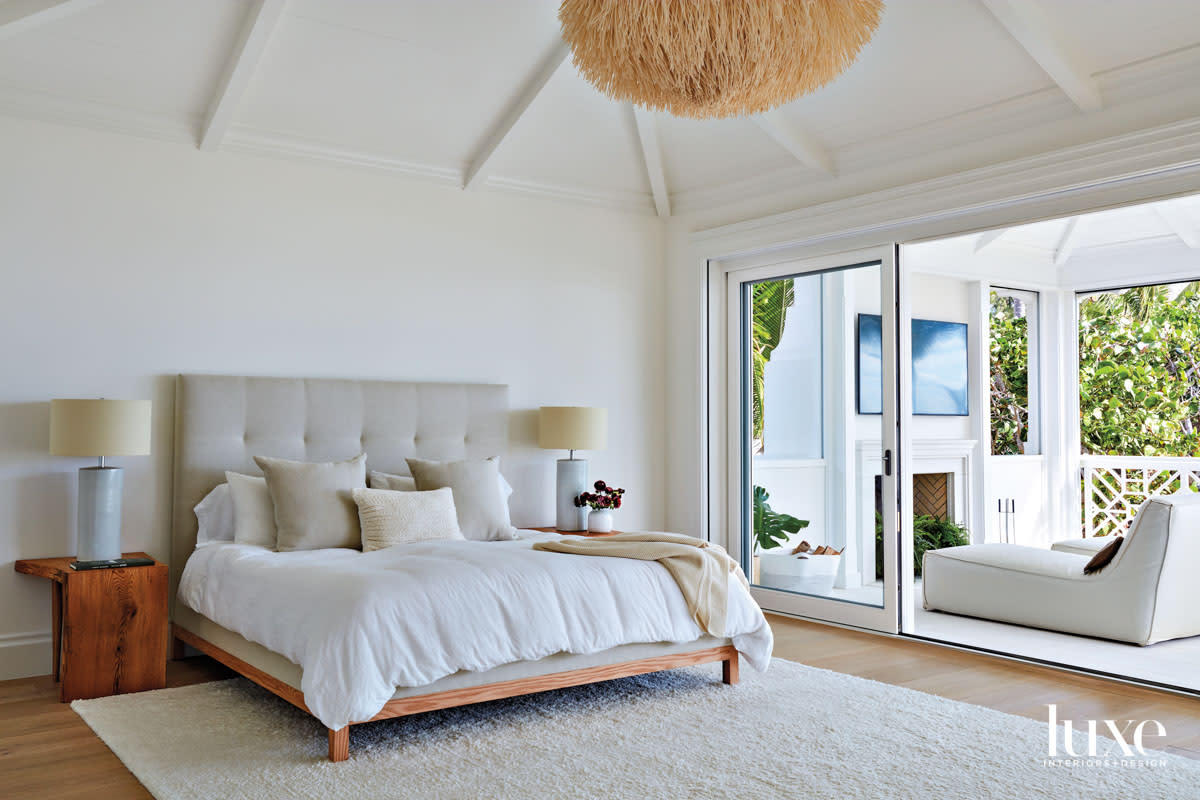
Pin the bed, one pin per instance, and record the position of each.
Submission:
(222, 422)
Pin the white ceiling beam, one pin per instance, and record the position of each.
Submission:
(19, 16)
(1180, 224)
(647, 130)
(478, 168)
(989, 237)
(1067, 242)
(803, 147)
(1028, 24)
(261, 20)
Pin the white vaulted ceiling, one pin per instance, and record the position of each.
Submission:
(450, 90)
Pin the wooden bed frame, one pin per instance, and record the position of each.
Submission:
(222, 422)
(339, 740)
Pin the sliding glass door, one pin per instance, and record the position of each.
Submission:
(814, 437)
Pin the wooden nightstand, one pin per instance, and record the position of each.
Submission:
(109, 626)
(575, 533)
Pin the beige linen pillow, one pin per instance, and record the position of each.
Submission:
(403, 483)
(482, 509)
(314, 507)
(253, 511)
(392, 517)
(396, 483)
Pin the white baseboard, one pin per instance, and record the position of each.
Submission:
(24, 655)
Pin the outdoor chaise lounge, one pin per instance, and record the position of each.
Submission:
(1149, 593)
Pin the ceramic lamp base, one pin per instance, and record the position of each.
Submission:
(572, 481)
(99, 520)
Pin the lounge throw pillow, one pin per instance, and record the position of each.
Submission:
(1103, 556)
(253, 511)
(391, 517)
(314, 504)
(482, 509)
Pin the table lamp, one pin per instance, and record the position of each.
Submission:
(99, 429)
(572, 428)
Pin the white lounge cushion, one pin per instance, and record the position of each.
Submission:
(1030, 560)
(1082, 547)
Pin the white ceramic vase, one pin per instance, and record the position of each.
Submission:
(600, 520)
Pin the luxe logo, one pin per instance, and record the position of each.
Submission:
(1121, 737)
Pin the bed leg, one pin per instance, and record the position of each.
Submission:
(729, 670)
(339, 744)
(178, 648)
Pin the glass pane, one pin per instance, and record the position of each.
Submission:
(1139, 371)
(1012, 336)
(812, 362)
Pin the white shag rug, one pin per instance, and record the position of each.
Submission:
(794, 732)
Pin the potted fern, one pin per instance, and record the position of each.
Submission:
(929, 533)
(771, 528)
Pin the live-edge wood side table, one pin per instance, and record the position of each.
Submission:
(575, 533)
(109, 626)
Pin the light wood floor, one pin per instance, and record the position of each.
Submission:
(46, 750)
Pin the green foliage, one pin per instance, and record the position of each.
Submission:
(771, 528)
(1139, 372)
(769, 302)
(929, 533)
(1009, 376)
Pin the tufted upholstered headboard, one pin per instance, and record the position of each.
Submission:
(222, 422)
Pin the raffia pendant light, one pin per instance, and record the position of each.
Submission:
(715, 58)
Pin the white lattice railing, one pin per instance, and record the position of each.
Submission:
(1114, 487)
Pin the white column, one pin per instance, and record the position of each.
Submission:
(1060, 414)
(979, 371)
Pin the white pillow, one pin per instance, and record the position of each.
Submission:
(403, 483)
(215, 515)
(390, 517)
(253, 511)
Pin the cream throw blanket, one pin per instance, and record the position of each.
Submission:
(701, 569)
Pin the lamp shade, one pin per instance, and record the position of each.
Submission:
(95, 428)
(572, 428)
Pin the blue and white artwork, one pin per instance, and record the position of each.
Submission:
(939, 369)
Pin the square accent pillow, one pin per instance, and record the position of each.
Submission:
(403, 483)
(395, 483)
(253, 511)
(314, 504)
(390, 517)
(482, 509)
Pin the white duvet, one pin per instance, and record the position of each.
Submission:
(362, 624)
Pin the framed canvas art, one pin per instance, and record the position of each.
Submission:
(939, 369)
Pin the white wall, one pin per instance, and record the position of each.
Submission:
(126, 261)
(1023, 479)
